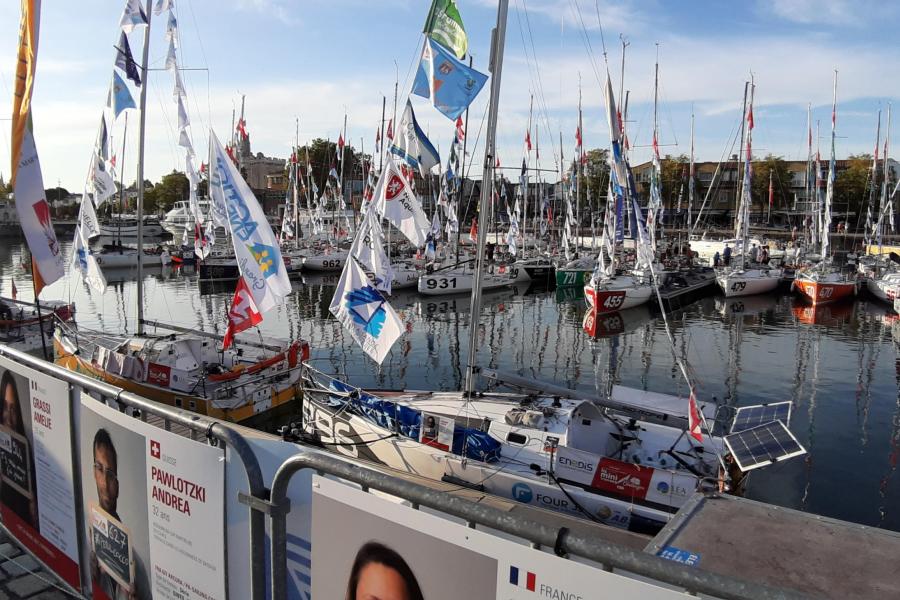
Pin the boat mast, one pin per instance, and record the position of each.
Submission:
(883, 203)
(525, 182)
(461, 187)
(579, 171)
(655, 208)
(140, 174)
(829, 189)
(690, 205)
(341, 182)
(809, 164)
(498, 40)
(122, 184)
(738, 188)
(295, 166)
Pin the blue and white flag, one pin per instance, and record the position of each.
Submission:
(132, 16)
(162, 5)
(255, 245)
(396, 202)
(125, 61)
(368, 247)
(365, 313)
(119, 96)
(450, 84)
(411, 145)
(83, 260)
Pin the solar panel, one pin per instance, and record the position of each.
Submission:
(763, 445)
(751, 416)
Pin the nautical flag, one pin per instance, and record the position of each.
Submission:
(528, 140)
(340, 145)
(82, 258)
(162, 5)
(578, 139)
(132, 16)
(119, 96)
(172, 28)
(243, 313)
(242, 127)
(171, 57)
(396, 202)
(183, 120)
(449, 84)
(473, 231)
(444, 25)
(26, 178)
(125, 61)
(365, 313)
(460, 130)
(255, 246)
(694, 418)
(497, 163)
(411, 145)
(102, 182)
(368, 248)
(527, 579)
(390, 130)
(377, 140)
(179, 86)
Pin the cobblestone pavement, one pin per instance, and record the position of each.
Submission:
(22, 577)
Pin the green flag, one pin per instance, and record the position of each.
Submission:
(445, 26)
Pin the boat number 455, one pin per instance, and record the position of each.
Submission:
(613, 301)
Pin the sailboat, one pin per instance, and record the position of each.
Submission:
(608, 290)
(824, 283)
(883, 271)
(184, 368)
(744, 279)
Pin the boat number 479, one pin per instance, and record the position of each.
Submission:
(738, 286)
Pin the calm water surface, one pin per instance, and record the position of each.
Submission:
(839, 365)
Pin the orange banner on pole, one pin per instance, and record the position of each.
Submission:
(24, 85)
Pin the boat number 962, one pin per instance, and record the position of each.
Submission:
(442, 283)
(738, 286)
(331, 264)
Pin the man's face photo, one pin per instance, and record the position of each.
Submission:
(105, 476)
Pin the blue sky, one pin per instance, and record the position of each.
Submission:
(314, 59)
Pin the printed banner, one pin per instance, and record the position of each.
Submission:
(37, 494)
(365, 546)
(154, 509)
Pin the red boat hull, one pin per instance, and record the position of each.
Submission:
(823, 292)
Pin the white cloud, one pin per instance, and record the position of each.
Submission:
(825, 12)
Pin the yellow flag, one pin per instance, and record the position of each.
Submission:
(24, 86)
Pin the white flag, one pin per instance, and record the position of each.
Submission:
(82, 259)
(184, 140)
(34, 213)
(179, 86)
(102, 182)
(368, 247)
(255, 246)
(172, 27)
(183, 120)
(162, 5)
(171, 59)
(365, 313)
(132, 15)
(396, 202)
(87, 217)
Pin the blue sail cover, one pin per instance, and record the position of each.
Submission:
(468, 441)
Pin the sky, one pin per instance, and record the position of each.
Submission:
(316, 60)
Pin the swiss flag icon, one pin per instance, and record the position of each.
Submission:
(154, 448)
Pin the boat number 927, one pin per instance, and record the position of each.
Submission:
(442, 283)
(738, 286)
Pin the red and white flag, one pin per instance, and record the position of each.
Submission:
(473, 232)
(242, 315)
(390, 131)
(340, 146)
(694, 418)
(578, 138)
(460, 130)
(528, 141)
(497, 164)
(242, 127)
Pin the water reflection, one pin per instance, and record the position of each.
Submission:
(838, 364)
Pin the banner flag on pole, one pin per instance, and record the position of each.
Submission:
(411, 143)
(242, 315)
(365, 313)
(255, 245)
(444, 25)
(132, 16)
(450, 84)
(396, 202)
(125, 60)
(120, 97)
(368, 248)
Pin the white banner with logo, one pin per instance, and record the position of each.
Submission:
(367, 546)
(154, 509)
(37, 493)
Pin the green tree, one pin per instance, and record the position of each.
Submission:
(781, 183)
(674, 176)
(4, 187)
(173, 187)
(596, 173)
(323, 156)
(851, 185)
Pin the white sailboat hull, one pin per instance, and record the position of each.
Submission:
(749, 282)
(458, 281)
(129, 257)
(333, 261)
(885, 288)
(618, 293)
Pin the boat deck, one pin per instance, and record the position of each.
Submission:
(682, 289)
(780, 547)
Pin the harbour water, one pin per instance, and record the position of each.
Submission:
(838, 364)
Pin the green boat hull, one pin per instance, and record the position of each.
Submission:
(572, 277)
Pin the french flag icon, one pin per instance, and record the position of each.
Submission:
(528, 581)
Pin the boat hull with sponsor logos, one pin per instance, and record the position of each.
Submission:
(460, 281)
(819, 288)
(617, 293)
(740, 282)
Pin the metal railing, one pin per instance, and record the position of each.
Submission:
(276, 505)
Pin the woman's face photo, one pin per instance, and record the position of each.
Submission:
(10, 408)
(380, 582)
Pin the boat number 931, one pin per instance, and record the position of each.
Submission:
(442, 283)
(738, 286)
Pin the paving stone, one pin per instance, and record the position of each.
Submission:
(5, 596)
(20, 565)
(53, 594)
(25, 586)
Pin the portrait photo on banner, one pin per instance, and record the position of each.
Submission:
(18, 485)
(358, 555)
(114, 475)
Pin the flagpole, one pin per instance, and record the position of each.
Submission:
(498, 40)
(462, 175)
(140, 174)
(381, 135)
